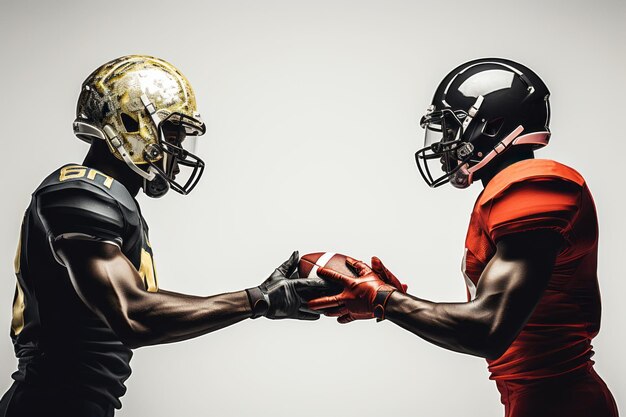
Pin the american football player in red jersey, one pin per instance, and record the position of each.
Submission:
(87, 292)
(533, 303)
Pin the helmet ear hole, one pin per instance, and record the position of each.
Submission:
(130, 124)
(492, 127)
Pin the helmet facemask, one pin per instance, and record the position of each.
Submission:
(443, 144)
(173, 155)
(172, 151)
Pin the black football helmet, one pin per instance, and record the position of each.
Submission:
(481, 109)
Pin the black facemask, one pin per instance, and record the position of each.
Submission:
(173, 155)
(443, 144)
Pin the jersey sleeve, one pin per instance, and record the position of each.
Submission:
(533, 204)
(81, 211)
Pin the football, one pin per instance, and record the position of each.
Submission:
(311, 262)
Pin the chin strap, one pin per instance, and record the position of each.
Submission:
(115, 141)
(88, 132)
(464, 176)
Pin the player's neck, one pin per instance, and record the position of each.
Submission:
(100, 158)
(501, 162)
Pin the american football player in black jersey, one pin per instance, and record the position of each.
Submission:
(87, 292)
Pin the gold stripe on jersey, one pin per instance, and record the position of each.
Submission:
(18, 254)
(147, 271)
(17, 322)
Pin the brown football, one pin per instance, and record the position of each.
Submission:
(311, 262)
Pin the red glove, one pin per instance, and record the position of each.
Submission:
(344, 316)
(387, 276)
(361, 297)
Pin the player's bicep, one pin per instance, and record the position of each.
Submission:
(104, 279)
(514, 280)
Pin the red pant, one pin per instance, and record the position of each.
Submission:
(578, 394)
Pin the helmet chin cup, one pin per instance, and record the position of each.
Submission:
(462, 178)
(157, 187)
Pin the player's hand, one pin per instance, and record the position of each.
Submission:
(361, 296)
(345, 316)
(281, 295)
(388, 276)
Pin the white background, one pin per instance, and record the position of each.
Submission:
(312, 111)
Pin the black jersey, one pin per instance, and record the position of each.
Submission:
(58, 340)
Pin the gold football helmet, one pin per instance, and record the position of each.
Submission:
(127, 102)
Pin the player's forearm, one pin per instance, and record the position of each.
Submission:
(165, 317)
(462, 327)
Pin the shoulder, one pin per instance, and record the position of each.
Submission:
(532, 174)
(88, 182)
(80, 200)
(530, 195)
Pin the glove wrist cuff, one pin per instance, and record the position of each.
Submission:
(380, 302)
(259, 302)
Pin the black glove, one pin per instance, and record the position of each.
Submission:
(280, 295)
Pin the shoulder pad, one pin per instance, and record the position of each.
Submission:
(81, 201)
(531, 195)
(78, 176)
(530, 169)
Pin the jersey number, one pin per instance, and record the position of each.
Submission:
(76, 171)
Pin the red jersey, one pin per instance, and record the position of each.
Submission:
(541, 194)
